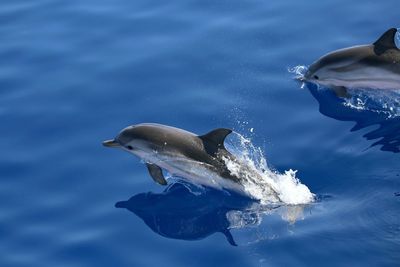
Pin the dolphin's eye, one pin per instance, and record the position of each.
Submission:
(316, 77)
(129, 147)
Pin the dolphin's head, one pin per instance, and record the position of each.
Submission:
(313, 73)
(337, 66)
(324, 69)
(136, 139)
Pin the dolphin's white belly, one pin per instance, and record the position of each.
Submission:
(193, 171)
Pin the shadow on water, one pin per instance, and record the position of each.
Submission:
(185, 212)
(366, 109)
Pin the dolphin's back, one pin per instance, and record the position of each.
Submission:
(362, 55)
(165, 138)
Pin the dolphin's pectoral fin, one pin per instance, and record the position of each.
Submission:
(341, 91)
(385, 42)
(214, 140)
(156, 173)
(229, 237)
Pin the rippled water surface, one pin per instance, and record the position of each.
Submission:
(73, 73)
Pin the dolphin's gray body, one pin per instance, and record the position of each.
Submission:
(181, 153)
(375, 66)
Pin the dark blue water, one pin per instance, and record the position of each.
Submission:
(73, 73)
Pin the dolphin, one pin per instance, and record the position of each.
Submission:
(201, 159)
(373, 66)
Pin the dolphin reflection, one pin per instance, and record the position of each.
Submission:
(179, 212)
(382, 110)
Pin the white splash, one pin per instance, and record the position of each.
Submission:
(298, 71)
(259, 181)
(379, 101)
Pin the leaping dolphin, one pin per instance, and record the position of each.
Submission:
(199, 158)
(374, 66)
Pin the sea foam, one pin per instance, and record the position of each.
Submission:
(259, 180)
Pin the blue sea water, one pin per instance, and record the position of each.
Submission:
(73, 73)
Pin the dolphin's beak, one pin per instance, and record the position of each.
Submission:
(312, 69)
(111, 143)
(307, 75)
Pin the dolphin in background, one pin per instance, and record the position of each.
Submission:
(373, 66)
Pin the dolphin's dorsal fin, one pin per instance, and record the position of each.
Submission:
(385, 42)
(214, 140)
(156, 173)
